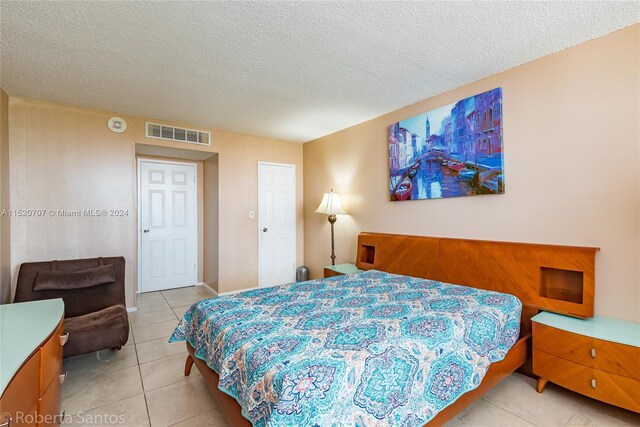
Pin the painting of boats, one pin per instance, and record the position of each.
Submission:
(455, 150)
(403, 189)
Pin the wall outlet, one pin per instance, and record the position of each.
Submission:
(252, 214)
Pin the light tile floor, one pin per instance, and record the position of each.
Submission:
(143, 384)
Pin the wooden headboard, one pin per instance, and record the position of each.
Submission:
(544, 277)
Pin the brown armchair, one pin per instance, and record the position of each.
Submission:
(95, 314)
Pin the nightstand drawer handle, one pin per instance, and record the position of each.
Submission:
(593, 353)
(64, 338)
(593, 383)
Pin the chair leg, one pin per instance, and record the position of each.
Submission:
(187, 366)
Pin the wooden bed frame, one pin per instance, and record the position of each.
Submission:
(544, 277)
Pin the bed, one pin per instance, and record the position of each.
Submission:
(391, 346)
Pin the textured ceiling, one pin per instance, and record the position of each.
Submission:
(289, 70)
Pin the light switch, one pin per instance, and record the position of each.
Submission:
(252, 214)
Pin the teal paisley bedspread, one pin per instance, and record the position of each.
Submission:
(368, 349)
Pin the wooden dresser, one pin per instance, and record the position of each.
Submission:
(31, 340)
(598, 357)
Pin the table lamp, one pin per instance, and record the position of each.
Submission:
(330, 205)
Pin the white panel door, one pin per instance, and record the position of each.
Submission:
(168, 225)
(277, 223)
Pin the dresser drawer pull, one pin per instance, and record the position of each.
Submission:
(593, 353)
(7, 423)
(64, 338)
(62, 377)
(593, 383)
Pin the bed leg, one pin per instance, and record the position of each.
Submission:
(540, 386)
(187, 366)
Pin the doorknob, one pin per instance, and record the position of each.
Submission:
(265, 229)
(145, 231)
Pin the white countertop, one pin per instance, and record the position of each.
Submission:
(604, 328)
(23, 328)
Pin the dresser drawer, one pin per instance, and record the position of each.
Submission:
(49, 405)
(21, 395)
(592, 352)
(51, 358)
(605, 386)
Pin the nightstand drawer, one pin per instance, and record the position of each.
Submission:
(340, 270)
(617, 358)
(592, 352)
(331, 273)
(567, 345)
(607, 387)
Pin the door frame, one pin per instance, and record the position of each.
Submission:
(295, 216)
(139, 161)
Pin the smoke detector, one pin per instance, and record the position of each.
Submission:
(117, 124)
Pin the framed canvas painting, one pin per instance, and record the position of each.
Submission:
(453, 151)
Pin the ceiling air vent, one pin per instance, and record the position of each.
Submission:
(173, 133)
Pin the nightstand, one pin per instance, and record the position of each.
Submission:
(598, 357)
(340, 269)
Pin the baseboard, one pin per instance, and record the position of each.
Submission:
(207, 286)
(248, 289)
(236, 291)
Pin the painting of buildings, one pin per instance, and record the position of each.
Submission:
(455, 150)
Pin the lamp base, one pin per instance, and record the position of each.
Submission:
(332, 220)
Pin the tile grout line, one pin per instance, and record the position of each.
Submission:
(182, 353)
(135, 349)
(135, 344)
(191, 418)
(105, 404)
(153, 339)
(138, 364)
(508, 411)
(167, 385)
(574, 414)
(178, 318)
(190, 379)
(155, 323)
(165, 299)
(144, 394)
(143, 307)
(77, 377)
(115, 401)
(162, 321)
(146, 405)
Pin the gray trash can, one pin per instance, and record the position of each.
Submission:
(302, 274)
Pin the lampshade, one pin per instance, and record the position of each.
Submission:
(331, 205)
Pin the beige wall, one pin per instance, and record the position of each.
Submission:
(238, 266)
(571, 137)
(211, 222)
(5, 229)
(66, 157)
